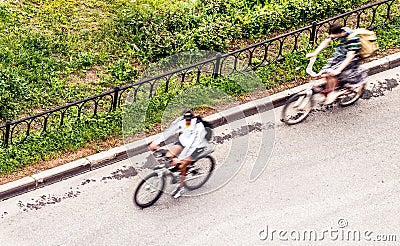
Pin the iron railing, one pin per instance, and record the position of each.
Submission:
(253, 57)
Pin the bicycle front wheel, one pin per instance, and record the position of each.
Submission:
(149, 190)
(297, 108)
(199, 172)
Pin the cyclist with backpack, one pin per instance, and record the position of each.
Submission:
(344, 65)
(192, 141)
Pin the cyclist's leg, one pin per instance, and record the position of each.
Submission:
(186, 162)
(354, 75)
(332, 82)
(174, 150)
(183, 165)
(333, 63)
(180, 188)
(333, 94)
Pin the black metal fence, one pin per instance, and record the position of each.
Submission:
(253, 57)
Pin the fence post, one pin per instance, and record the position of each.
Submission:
(313, 33)
(7, 136)
(115, 98)
(217, 66)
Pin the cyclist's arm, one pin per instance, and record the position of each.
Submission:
(321, 47)
(349, 57)
(172, 129)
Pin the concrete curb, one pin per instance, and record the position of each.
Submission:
(121, 153)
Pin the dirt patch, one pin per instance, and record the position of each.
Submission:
(121, 174)
(45, 200)
(380, 88)
(242, 131)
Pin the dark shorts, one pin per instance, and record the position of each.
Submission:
(352, 74)
(195, 153)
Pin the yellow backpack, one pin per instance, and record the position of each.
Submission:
(368, 41)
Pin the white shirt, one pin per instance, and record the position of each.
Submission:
(191, 137)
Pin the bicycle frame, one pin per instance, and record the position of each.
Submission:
(162, 169)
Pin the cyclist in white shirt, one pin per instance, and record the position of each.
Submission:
(190, 144)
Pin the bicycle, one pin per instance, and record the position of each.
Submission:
(198, 170)
(304, 101)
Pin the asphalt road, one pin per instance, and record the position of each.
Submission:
(326, 181)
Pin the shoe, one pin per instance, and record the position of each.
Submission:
(178, 192)
(175, 190)
(332, 96)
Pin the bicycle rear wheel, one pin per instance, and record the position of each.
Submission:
(149, 190)
(199, 172)
(297, 108)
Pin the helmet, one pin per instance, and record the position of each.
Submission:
(188, 114)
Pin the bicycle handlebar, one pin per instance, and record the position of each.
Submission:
(310, 66)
